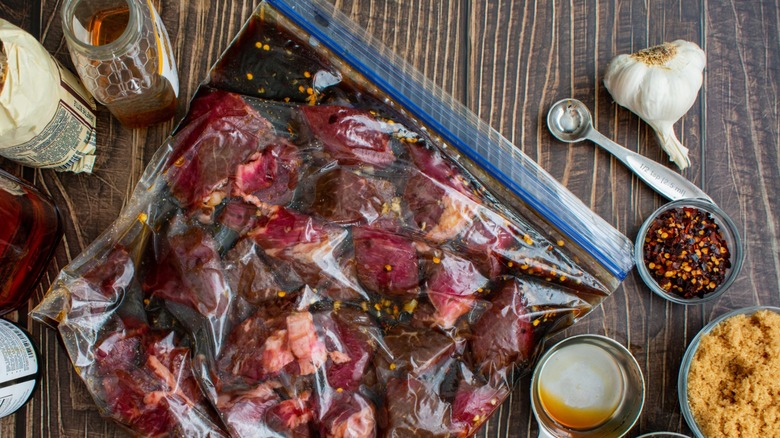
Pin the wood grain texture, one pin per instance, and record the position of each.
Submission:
(508, 61)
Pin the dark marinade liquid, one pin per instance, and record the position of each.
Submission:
(268, 62)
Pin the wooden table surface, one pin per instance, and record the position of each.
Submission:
(508, 60)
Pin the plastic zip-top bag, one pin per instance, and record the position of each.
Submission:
(327, 246)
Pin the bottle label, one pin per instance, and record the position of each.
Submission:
(67, 142)
(14, 397)
(18, 368)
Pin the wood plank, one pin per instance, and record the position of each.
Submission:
(743, 164)
(428, 34)
(508, 61)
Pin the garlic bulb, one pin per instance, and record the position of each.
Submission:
(659, 84)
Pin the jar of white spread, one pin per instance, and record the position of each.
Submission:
(47, 118)
(19, 370)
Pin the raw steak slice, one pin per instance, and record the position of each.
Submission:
(221, 132)
(504, 335)
(439, 168)
(501, 247)
(244, 412)
(355, 340)
(349, 415)
(386, 262)
(351, 136)
(243, 355)
(344, 197)
(413, 351)
(414, 409)
(269, 176)
(144, 381)
(190, 274)
(439, 211)
(292, 417)
(248, 276)
(308, 245)
(473, 405)
(452, 287)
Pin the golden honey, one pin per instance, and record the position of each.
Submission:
(106, 26)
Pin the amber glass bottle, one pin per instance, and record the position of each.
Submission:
(30, 229)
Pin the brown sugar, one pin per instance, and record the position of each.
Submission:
(734, 378)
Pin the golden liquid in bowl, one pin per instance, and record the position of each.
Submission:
(581, 386)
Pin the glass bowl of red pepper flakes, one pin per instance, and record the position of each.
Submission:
(688, 251)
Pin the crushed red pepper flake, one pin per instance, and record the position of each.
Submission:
(686, 253)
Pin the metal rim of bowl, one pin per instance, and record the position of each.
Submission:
(663, 434)
(729, 231)
(690, 352)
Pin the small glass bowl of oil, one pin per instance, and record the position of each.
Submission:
(587, 386)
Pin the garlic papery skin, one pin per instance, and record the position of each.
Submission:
(659, 84)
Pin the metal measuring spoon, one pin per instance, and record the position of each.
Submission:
(569, 121)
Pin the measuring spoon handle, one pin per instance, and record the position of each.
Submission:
(663, 180)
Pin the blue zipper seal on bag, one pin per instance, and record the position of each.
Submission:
(463, 129)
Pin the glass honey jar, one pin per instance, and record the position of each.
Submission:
(123, 55)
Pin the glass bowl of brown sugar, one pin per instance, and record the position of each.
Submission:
(728, 375)
(688, 251)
